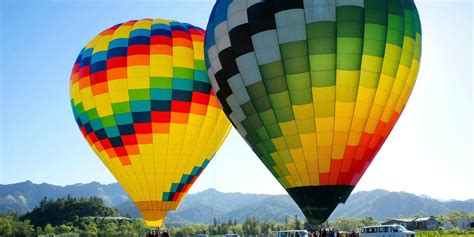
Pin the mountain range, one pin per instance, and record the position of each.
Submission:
(202, 207)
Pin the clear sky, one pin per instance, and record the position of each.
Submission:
(429, 152)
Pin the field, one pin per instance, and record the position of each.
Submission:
(448, 233)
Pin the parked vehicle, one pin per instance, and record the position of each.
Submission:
(386, 231)
(231, 235)
(292, 233)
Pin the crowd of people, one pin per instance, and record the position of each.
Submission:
(330, 233)
(312, 233)
(157, 233)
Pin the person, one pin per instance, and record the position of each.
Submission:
(324, 234)
(150, 233)
(154, 233)
(165, 234)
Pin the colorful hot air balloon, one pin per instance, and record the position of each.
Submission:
(314, 86)
(143, 101)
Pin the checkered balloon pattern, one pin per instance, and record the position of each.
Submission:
(314, 87)
(142, 99)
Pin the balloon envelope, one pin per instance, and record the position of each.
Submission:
(314, 87)
(142, 99)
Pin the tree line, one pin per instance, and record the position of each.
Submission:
(85, 216)
(91, 217)
(12, 225)
(252, 226)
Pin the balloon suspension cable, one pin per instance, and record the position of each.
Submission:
(213, 194)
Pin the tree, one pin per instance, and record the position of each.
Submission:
(38, 230)
(172, 231)
(346, 224)
(108, 228)
(88, 227)
(188, 230)
(366, 221)
(350, 224)
(139, 226)
(297, 223)
(62, 210)
(6, 226)
(23, 228)
(454, 217)
(125, 228)
(61, 229)
(48, 229)
(258, 230)
(237, 229)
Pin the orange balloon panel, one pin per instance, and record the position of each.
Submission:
(142, 99)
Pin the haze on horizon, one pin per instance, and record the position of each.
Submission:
(430, 151)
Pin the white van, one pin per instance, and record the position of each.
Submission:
(292, 233)
(231, 235)
(386, 231)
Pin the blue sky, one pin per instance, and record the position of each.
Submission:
(429, 152)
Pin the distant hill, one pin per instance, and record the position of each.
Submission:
(204, 206)
(23, 197)
(382, 204)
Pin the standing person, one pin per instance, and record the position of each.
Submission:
(324, 233)
(156, 233)
(165, 234)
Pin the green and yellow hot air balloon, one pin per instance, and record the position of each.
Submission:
(314, 86)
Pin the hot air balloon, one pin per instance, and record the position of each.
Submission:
(142, 99)
(314, 87)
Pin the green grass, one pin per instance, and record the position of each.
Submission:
(445, 233)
